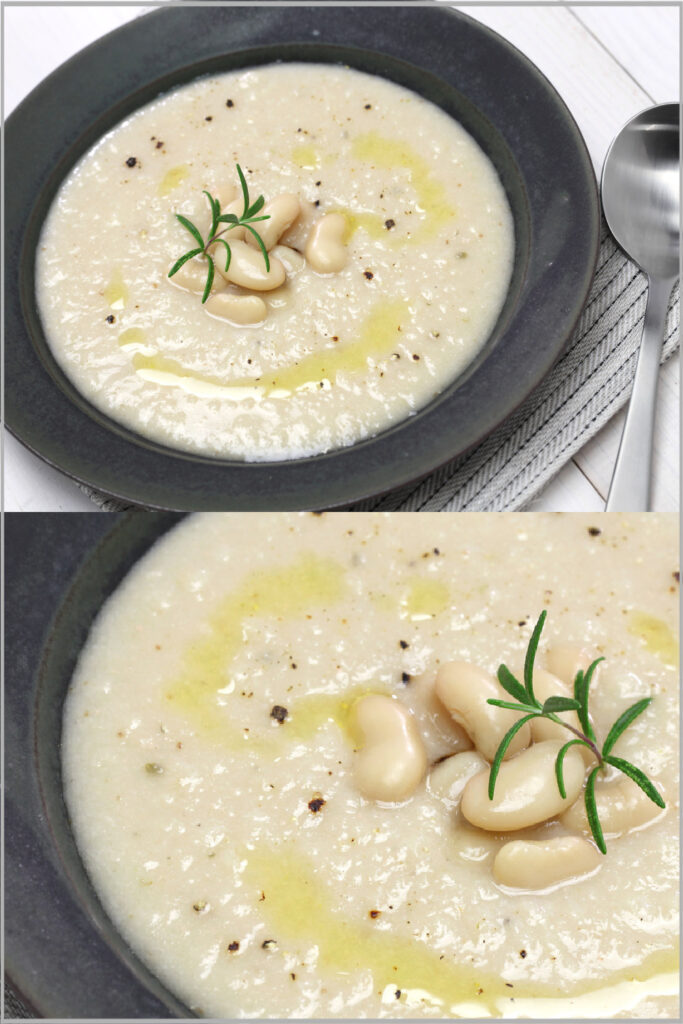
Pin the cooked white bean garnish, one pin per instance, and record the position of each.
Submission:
(248, 268)
(538, 864)
(291, 260)
(296, 236)
(392, 761)
(564, 661)
(464, 690)
(448, 778)
(548, 685)
(622, 807)
(225, 194)
(192, 277)
(283, 211)
(238, 309)
(325, 249)
(526, 790)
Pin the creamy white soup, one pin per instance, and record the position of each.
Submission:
(215, 777)
(339, 349)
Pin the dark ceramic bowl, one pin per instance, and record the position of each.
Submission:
(63, 956)
(496, 93)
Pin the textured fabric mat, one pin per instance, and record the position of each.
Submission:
(586, 387)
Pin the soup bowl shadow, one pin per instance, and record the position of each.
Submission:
(477, 78)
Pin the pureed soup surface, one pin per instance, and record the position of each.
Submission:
(340, 356)
(234, 851)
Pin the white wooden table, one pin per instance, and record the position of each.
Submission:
(607, 62)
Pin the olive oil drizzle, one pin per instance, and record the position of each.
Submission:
(378, 338)
(308, 584)
(656, 636)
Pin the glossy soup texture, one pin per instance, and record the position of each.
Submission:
(339, 357)
(234, 851)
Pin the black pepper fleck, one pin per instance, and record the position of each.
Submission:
(229, 103)
(677, 576)
(159, 145)
(522, 953)
(397, 993)
(278, 713)
(316, 805)
(594, 531)
(316, 202)
(403, 644)
(368, 106)
(375, 914)
(369, 274)
(415, 357)
(208, 119)
(389, 224)
(269, 944)
(110, 319)
(405, 677)
(233, 947)
(131, 161)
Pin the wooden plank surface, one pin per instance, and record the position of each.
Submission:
(607, 61)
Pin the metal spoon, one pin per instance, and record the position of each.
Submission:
(641, 199)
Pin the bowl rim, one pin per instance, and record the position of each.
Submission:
(100, 453)
(45, 874)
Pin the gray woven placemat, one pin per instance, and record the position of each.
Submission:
(14, 1009)
(588, 385)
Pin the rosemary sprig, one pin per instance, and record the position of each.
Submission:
(531, 707)
(246, 220)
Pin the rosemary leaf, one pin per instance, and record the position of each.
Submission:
(260, 244)
(592, 811)
(623, 722)
(559, 765)
(253, 210)
(245, 191)
(582, 697)
(189, 226)
(209, 279)
(555, 704)
(511, 684)
(500, 753)
(183, 260)
(514, 707)
(531, 655)
(639, 777)
(228, 252)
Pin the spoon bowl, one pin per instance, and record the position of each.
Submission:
(641, 200)
(641, 191)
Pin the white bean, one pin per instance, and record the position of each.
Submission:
(448, 778)
(622, 808)
(565, 660)
(291, 260)
(547, 685)
(237, 309)
(464, 690)
(538, 864)
(248, 268)
(192, 277)
(282, 211)
(325, 249)
(225, 194)
(526, 790)
(392, 761)
(296, 235)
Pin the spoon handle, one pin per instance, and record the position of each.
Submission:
(630, 487)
